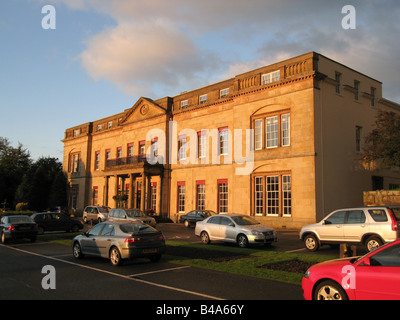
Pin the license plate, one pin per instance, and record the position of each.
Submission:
(150, 250)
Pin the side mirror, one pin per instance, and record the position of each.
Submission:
(231, 224)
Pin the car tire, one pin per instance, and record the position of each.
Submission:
(77, 251)
(372, 243)
(205, 238)
(242, 241)
(311, 242)
(329, 290)
(40, 230)
(3, 238)
(115, 257)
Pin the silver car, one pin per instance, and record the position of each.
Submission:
(120, 241)
(123, 215)
(236, 228)
(93, 213)
(370, 226)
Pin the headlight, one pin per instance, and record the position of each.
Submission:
(256, 233)
(307, 274)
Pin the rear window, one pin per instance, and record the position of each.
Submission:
(396, 212)
(379, 215)
(19, 219)
(135, 227)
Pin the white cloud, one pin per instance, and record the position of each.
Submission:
(165, 45)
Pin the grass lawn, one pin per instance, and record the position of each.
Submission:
(257, 262)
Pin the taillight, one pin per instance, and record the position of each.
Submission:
(11, 228)
(132, 239)
(161, 238)
(395, 226)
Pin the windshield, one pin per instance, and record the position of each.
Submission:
(134, 213)
(244, 220)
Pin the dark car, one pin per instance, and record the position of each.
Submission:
(54, 221)
(16, 227)
(118, 241)
(193, 216)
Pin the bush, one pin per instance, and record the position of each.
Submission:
(22, 206)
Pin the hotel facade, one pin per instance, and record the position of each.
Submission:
(282, 143)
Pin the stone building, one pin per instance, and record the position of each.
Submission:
(282, 143)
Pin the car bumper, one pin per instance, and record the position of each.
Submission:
(18, 234)
(307, 286)
(262, 239)
(131, 253)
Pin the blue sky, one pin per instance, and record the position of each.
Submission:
(105, 54)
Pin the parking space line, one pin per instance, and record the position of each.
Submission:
(302, 249)
(157, 271)
(117, 275)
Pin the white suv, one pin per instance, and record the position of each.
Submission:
(369, 226)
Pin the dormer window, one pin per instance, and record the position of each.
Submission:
(271, 77)
(203, 99)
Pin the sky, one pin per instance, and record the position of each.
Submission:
(101, 56)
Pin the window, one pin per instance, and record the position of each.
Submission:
(356, 216)
(276, 131)
(119, 152)
(182, 147)
(259, 196)
(223, 196)
(109, 125)
(272, 195)
(271, 77)
(200, 195)
(224, 93)
(77, 132)
(95, 196)
(223, 140)
(356, 89)
(181, 196)
(379, 215)
(154, 147)
(154, 196)
(338, 78)
(258, 134)
(97, 160)
(142, 148)
(285, 129)
(184, 104)
(373, 94)
(358, 138)
(271, 132)
(74, 162)
(130, 150)
(336, 218)
(99, 127)
(108, 154)
(201, 144)
(203, 99)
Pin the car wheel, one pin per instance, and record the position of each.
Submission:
(311, 242)
(77, 251)
(186, 224)
(373, 243)
(329, 290)
(242, 241)
(3, 238)
(155, 258)
(40, 230)
(205, 237)
(115, 257)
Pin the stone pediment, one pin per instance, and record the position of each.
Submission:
(144, 108)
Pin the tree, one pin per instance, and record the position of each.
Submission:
(383, 143)
(14, 162)
(44, 185)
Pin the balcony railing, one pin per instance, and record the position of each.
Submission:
(133, 160)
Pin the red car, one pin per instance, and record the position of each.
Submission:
(375, 276)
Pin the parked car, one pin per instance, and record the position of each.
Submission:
(124, 215)
(369, 226)
(237, 228)
(118, 241)
(93, 213)
(374, 276)
(193, 216)
(16, 227)
(54, 221)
